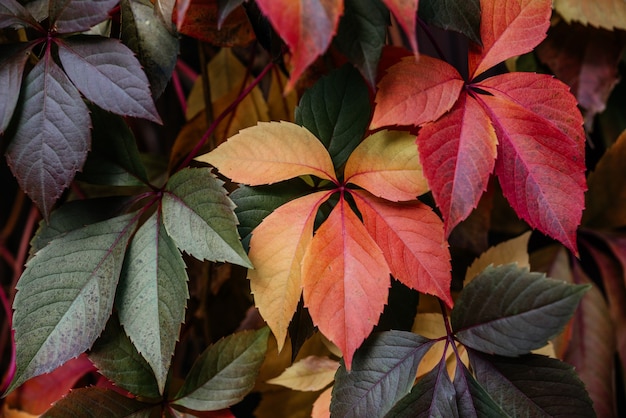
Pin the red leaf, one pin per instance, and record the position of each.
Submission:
(508, 28)
(306, 26)
(411, 237)
(405, 12)
(415, 92)
(458, 152)
(345, 280)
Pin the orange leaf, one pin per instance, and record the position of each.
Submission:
(411, 237)
(321, 407)
(387, 165)
(270, 152)
(508, 28)
(405, 12)
(415, 92)
(345, 279)
(276, 251)
(307, 27)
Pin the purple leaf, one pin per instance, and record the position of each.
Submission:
(108, 74)
(78, 15)
(52, 135)
(14, 14)
(11, 71)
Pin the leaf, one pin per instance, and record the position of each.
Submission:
(225, 372)
(459, 153)
(285, 403)
(11, 71)
(405, 12)
(199, 217)
(78, 15)
(383, 371)
(225, 8)
(65, 295)
(507, 30)
(471, 398)
(411, 237)
(361, 35)
(152, 295)
(432, 396)
(277, 249)
(345, 280)
(107, 73)
(512, 251)
(532, 385)
(306, 27)
(95, 402)
(458, 15)
(508, 300)
(310, 374)
(282, 150)
(606, 14)
(156, 47)
(13, 14)
(336, 110)
(52, 135)
(413, 93)
(118, 360)
(321, 406)
(387, 165)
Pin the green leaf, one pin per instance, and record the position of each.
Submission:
(225, 372)
(361, 35)
(383, 371)
(200, 219)
(96, 402)
(65, 295)
(114, 158)
(253, 204)
(472, 399)
(461, 16)
(337, 111)
(432, 396)
(118, 360)
(152, 295)
(510, 311)
(156, 47)
(532, 385)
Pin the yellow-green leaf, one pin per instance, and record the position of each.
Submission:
(310, 374)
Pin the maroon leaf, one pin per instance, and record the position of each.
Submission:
(109, 75)
(78, 15)
(13, 14)
(11, 71)
(52, 135)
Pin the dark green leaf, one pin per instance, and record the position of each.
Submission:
(199, 217)
(98, 403)
(107, 73)
(152, 295)
(383, 371)
(472, 399)
(156, 47)
(461, 16)
(510, 311)
(65, 295)
(52, 135)
(432, 396)
(12, 61)
(225, 372)
(114, 158)
(337, 111)
(361, 35)
(532, 385)
(117, 359)
(78, 15)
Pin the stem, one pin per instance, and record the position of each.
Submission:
(180, 94)
(186, 70)
(432, 39)
(446, 321)
(206, 91)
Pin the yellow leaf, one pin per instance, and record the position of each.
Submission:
(270, 152)
(310, 374)
(387, 165)
(321, 407)
(281, 107)
(511, 251)
(7, 412)
(286, 403)
(606, 14)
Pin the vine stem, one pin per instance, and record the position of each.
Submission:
(223, 115)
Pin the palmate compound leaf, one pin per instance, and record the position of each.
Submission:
(532, 385)
(65, 295)
(12, 63)
(270, 152)
(472, 399)
(52, 135)
(225, 372)
(199, 217)
(78, 15)
(345, 280)
(383, 371)
(277, 249)
(510, 311)
(107, 73)
(152, 295)
(411, 237)
(96, 402)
